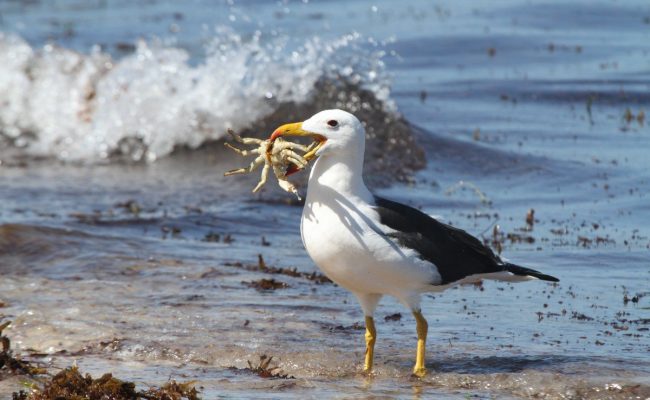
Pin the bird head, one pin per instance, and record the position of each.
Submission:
(334, 130)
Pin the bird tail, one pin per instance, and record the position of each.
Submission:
(521, 271)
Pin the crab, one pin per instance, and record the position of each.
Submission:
(277, 154)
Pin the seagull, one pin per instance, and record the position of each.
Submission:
(372, 246)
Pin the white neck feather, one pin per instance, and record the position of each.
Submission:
(341, 171)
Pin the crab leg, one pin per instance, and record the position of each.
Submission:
(244, 140)
(297, 160)
(291, 146)
(240, 151)
(279, 155)
(286, 153)
(265, 174)
(283, 182)
(288, 187)
(259, 160)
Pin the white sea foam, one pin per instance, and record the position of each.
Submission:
(84, 107)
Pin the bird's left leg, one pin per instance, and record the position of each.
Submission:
(371, 338)
(369, 304)
(422, 327)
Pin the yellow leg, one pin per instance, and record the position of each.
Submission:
(371, 336)
(422, 327)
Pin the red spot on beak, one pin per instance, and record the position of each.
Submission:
(276, 134)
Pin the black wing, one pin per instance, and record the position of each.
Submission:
(453, 251)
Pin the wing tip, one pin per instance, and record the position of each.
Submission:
(517, 270)
(544, 277)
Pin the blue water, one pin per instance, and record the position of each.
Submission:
(517, 105)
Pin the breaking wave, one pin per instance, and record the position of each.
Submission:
(91, 107)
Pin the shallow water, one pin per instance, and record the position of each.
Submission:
(118, 267)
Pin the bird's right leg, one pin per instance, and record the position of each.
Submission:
(369, 304)
(421, 327)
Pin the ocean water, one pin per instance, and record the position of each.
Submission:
(124, 249)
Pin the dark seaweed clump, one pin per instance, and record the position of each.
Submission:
(268, 269)
(264, 369)
(69, 384)
(266, 284)
(11, 364)
(393, 317)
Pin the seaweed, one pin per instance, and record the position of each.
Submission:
(629, 117)
(130, 206)
(581, 317)
(519, 238)
(211, 237)
(264, 370)
(172, 390)
(8, 362)
(293, 272)
(393, 317)
(70, 384)
(354, 327)
(530, 219)
(266, 284)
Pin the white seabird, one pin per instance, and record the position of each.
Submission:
(375, 247)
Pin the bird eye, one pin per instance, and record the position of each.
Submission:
(333, 123)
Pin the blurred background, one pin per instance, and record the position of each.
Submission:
(522, 122)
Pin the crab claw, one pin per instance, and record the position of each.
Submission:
(289, 187)
(292, 169)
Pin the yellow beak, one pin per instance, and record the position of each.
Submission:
(295, 129)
